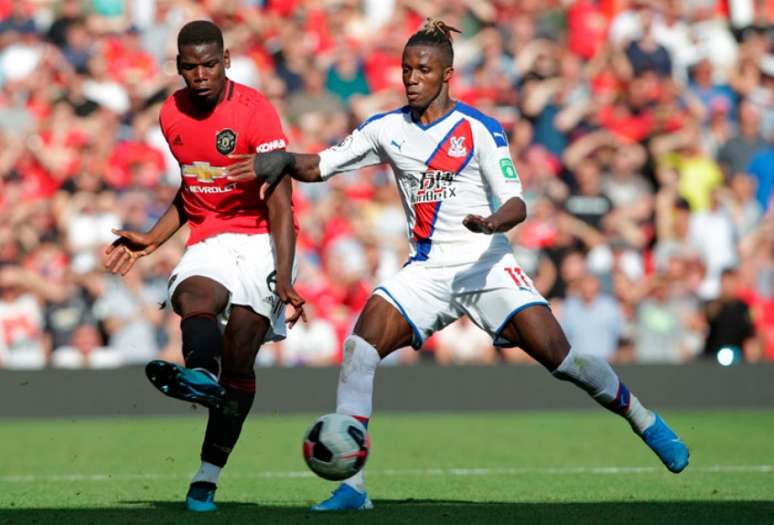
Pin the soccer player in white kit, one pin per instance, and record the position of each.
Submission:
(460, 192)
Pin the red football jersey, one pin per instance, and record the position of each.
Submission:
(243, 122)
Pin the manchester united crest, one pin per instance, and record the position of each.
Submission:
(225, 141)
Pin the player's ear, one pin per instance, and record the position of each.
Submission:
(226, 59)
(177, 64)
(447, 73)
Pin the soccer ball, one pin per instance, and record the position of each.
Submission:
(336, 446)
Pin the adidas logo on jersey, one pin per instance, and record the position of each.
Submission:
(178, 141)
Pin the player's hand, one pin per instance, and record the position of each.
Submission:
(288, 295)
(241, 170)
(478, 224)
(266, 167)
(124, 251)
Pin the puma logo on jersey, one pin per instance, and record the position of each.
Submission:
(396, 145)
(203, 172)
(457, 148)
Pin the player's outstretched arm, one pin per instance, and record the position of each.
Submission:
(130, 246)
(283, 235)
(271, 166)
(513, 212)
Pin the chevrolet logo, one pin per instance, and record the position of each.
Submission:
(203, 172)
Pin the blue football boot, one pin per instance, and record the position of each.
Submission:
(193, 385)
(668, 447)
(201, 497)
(345, 498)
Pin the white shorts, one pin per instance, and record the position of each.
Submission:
(244, 265)
(490, 291)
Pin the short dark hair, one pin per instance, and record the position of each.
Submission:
(199, 32)
(437, 34)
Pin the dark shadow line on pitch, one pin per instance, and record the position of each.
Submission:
(410, 511)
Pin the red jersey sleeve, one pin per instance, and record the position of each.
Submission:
(265, 129)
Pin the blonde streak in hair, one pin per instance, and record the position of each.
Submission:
(438, 26)
(445, 29)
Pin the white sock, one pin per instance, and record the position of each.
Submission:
(638, 416)
(356, 377)
(354, 395)
(357, 481)
(207, 472)
(595, 375)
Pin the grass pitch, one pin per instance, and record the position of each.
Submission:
(510, 467)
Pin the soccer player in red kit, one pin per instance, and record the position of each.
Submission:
(238, 264)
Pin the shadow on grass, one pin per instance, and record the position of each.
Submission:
(412, 511)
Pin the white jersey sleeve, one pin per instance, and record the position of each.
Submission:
(497, 167)
(360, 149)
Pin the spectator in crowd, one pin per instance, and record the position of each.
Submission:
(592, 320)
(463, 343)
(730, 324)
(761, 168)
(645, 53)
(314, 98)
(85, 351)
(735, 155)
(314, 343)
(667, 328)
(23, 341)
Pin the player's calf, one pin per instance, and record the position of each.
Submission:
(202, 341)
(596, 376)
(225, 421)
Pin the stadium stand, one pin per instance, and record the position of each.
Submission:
(642, 131)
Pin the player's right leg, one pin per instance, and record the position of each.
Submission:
(245, 332)
(380, 330)
(536, 330)
(198, 300)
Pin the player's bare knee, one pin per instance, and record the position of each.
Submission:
(186, 302)
(376, 339)
(358, 356)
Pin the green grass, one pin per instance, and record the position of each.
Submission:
(536, 467)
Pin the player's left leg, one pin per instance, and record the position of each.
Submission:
(243, 336)
(197, 299)
(537, 331)
(380, 330)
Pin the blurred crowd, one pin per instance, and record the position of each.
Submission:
(641, 129)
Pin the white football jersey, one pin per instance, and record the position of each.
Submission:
(445, 170)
